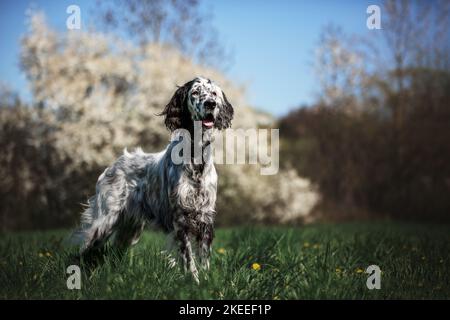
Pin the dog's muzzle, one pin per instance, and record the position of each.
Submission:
(208, 120)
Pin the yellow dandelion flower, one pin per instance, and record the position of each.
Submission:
(359, 270)
(306, 244)
(338, 270)
(256, 266)
(221, 250)
(48, 254)
(41, 255)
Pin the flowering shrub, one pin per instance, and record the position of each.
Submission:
(98, 95)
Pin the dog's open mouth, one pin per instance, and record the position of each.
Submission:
(208, 121)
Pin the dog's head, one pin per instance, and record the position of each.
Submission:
(198, 100)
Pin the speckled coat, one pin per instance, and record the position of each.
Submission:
(141, 188)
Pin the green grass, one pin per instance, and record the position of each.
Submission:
(312, 262)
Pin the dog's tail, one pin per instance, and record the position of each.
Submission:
(87, 217)
(92, 235)
(96, 228)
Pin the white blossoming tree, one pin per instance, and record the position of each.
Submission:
(101, 95)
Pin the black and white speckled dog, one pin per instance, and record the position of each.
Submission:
(142, 188)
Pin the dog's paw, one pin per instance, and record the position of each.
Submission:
(195, 276)
(172, 262)
(205, 265)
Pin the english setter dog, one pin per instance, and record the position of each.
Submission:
(178, 198)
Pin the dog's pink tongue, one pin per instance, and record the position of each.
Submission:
(208, 123)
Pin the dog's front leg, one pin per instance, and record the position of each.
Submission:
(187, 258)
(204, 241)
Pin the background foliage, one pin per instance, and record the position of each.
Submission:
(94, 95)
(374, 144)
(377, 139)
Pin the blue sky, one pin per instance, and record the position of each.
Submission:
(272, 42)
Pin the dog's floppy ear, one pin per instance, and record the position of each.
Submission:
(174, 111)
(225, 115)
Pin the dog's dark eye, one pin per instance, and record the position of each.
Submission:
(214, 94)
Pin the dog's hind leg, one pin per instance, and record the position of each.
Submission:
(105, 209)
(128, 234)
(98, 234)
(132, 220)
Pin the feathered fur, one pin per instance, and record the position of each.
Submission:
(142, 188)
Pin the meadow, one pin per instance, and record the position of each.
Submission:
(326, 261)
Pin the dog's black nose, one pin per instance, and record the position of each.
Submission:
(210, 104)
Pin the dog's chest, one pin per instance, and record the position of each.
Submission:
(196, 193)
